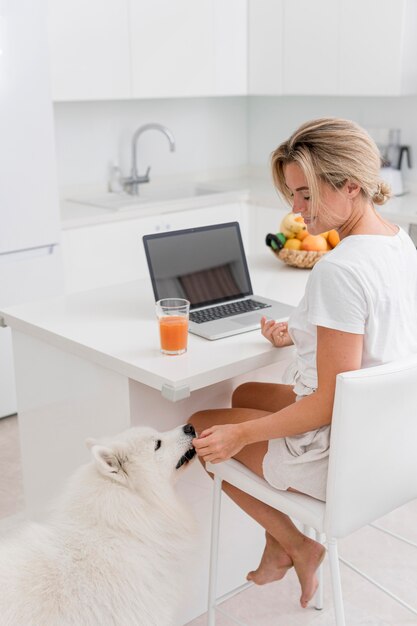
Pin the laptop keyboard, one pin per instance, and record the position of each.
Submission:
(226, 310)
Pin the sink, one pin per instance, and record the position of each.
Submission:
(148, 193)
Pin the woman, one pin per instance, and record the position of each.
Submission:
(359, 310)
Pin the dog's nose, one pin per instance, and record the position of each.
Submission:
(189, 429)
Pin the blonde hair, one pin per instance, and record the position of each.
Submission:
(333, 151)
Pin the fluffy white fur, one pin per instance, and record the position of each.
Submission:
(115, 547)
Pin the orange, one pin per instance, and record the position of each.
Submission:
(314, 242)
(333, 238)
(293, 244)
(302, 234)
(325, 235)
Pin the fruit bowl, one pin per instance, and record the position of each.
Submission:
(295, 246)
(305, 259)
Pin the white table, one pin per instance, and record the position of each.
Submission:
(88, 365)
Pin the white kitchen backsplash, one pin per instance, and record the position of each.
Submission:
(273, 119)
(210, 134)
(213, 135)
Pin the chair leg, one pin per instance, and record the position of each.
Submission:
(214, 551)
(336, 583)
(318, 596)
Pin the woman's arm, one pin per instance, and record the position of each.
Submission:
(337, 352)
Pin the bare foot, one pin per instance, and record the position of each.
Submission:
(306, 561)
(274, 564)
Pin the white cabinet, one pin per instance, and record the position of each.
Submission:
(332, 47)
(172, 47)
(188, 48)
(293, 47)
(89, 49)
(266, 48)
(378, 47)
(230, 47)
(311, 47)
(116, 49)
(113, 252)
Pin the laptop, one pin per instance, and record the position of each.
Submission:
(208, 267)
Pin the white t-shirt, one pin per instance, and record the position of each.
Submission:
(366, 285)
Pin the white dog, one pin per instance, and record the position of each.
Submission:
(114, 550)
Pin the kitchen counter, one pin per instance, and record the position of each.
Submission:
(115, 327)
(248, 189)
(77, 215)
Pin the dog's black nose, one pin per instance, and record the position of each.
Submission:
(189, 429)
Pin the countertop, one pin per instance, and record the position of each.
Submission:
(224, 191)
(116, 328)
(248, 189)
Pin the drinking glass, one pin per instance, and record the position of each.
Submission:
(172, 314)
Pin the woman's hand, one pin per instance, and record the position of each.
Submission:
(219, 443)
(276, 332)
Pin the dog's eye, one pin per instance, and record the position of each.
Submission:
(158, 443)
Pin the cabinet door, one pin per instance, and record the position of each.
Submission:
(265, 54)
(89, 49)
(230, 47)
(172, 47)
(371, 47)
(111, 253)
(311, 47)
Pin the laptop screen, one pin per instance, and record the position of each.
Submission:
(205, 265)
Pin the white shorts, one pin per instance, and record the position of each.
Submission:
(300, 462)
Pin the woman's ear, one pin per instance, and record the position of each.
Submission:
(352, 189)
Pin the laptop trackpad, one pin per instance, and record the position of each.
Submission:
(247, 320)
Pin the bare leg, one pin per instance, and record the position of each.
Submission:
(304, 553)
(285, 544)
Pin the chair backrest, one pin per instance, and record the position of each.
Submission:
(373, 448)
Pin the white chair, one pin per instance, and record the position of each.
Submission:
(372, 469)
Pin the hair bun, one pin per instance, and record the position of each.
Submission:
(382, 194)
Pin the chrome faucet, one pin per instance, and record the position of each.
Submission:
(131, 184)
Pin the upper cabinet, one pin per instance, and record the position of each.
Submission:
(378, 47)
(188, 48)
(230, 47)
(332, 47)
(310, 47)
(265, 48)
(89, 49)
(116, 49)
(112, 49)
(172, 47)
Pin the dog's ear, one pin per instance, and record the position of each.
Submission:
(90, 443)
(109, 463)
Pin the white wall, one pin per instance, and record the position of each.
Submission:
(272, 119)
(210, 133)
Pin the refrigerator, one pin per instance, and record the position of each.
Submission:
(30, 256)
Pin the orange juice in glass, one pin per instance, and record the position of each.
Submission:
(172, 316)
